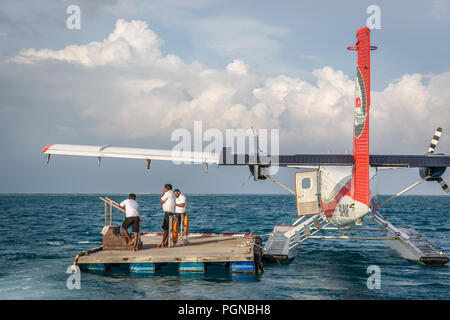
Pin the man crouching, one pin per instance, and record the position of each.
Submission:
(131, 208)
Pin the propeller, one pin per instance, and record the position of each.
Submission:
(443, 185)
(435, 140)
(431, 150)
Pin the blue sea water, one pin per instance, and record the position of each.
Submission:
(40, 234)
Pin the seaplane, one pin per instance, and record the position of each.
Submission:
(332, 192)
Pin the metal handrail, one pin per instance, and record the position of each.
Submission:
(111, 204)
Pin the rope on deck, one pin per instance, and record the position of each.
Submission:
(86, 252)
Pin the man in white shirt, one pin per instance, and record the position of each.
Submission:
(180, 208)
(168, 206)
(131, 208)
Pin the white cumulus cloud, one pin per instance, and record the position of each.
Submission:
(144, 93)
(130, 41)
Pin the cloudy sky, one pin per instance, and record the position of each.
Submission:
(138, 70)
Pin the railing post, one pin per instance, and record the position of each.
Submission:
(182, 226)
(139, 232)
(186, 227)
(170, 230)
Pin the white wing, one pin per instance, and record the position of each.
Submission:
(131, 153)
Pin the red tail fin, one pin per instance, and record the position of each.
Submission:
(360, 177)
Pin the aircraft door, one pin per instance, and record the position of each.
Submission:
(307, 193)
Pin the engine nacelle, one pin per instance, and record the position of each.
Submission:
(434, 172)
(258, 171)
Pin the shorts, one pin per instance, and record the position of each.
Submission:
(165, 225)
(131, 221)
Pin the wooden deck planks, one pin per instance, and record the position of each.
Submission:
(199, 249)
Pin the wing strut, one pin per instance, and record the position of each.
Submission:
(401, 192)
(280, 184)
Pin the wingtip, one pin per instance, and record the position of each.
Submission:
(46, 147)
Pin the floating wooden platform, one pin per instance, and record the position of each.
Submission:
(238, 249)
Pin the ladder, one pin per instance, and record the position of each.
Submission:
(284, 240)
